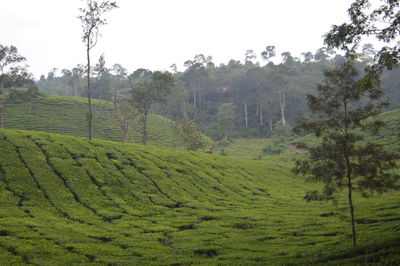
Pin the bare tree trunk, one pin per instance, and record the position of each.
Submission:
(185, 116)
(125, 131)
(282, 101)
(194, 101)
(145, 128)
(75, 90)
(100, 89)
(261, 113)
(245, 113)
(90, 115)
(199, 99)
(29, 108)
(257, 105)
(2, 111)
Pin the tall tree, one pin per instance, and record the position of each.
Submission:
(77, 78)
(226, 118)
(268, 53)
(67, 80)
(125, 114)
(102, 75)
(196, 76)
(343, 160)
(250, 57)
(152, 88)
(12, 74)
(91, 17)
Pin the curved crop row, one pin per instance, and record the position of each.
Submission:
(67, 201)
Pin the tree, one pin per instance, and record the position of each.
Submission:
(190, 135)
(92, 18)
(12, 74)
(196, 77)
(369, 19)
(287, 58)
(67, 80)
(18, 96)
(151, 88)
(343, 159)
(308, 57)
(249, 57)
(77, 78)
(268, 53)
(103, 80)
(226, 118)
(125, 114)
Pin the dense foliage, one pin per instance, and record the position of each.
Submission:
(262, 98)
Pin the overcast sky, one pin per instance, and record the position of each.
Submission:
(154, 34)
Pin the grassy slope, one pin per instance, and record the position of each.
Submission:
(66, 115)
(388, 136)
(67, 201)
(253, 148)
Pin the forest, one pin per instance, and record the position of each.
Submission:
(245, 98)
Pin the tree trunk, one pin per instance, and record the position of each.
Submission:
(2, 111)
(349, 195)
(282, 102)
(194, 101)
(125, 132)
(353, 227)
(145, 128)
(271, 126)
(100, 89)
(185, 116)
(90, 116)
(245, 114)
(257, 105)
(199, 99)
(349, 177)
(261, 113)
(75, 90)
(29, 108)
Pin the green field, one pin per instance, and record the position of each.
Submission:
(252, 148)
(66, 201)
(67, 115)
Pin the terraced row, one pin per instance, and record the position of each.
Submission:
(66, 115)
(66, 201)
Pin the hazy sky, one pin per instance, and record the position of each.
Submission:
(154, 34)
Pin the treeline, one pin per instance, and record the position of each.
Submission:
(237, 99)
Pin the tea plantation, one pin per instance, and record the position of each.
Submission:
(67, 201)
(67, 115)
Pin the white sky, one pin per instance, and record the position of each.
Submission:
(154, 34)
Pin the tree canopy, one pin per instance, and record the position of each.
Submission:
(343, 159)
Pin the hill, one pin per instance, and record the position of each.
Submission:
(280, 148)
(65, 201)
(66, 115)
(388, 136)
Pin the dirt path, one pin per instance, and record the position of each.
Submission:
(297, 149)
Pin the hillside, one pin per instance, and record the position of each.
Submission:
(388, 136)
(69, 201)
(279, 148)
(66, 115)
